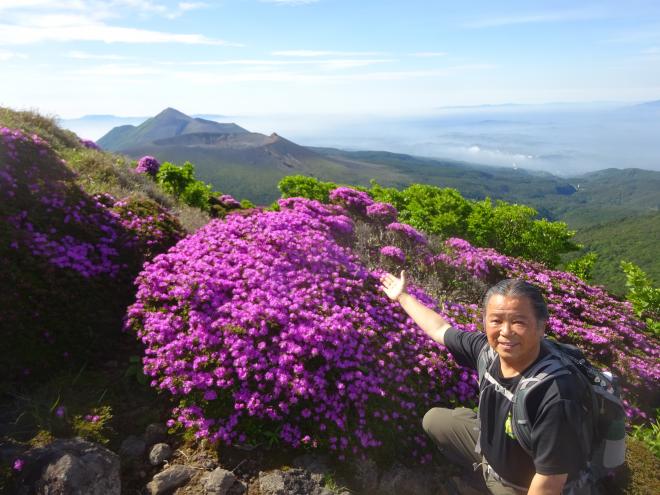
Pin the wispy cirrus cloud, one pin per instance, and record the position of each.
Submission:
(210, 77)
(79, 55)
(290, 2)
(429, 54)
(102, 8)
(536, 18)
(643, 34)
(36, 21)
(46, 28)
(324, 53)
(263, 71)
(8, 55)
(117, 70)
(326, 64)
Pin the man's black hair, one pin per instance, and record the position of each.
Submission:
(514, 287)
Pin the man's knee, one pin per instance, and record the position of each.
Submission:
(454, 432)
(437, 422)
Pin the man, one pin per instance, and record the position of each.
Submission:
(515, 315)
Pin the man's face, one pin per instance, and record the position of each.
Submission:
(512, 329)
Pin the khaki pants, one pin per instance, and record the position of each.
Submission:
(455, 432)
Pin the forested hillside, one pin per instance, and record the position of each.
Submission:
(635, 239)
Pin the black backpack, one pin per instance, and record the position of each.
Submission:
(601, 431)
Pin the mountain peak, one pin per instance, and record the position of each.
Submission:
(168, 124)
(170, 112)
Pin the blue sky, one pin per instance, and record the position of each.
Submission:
(339, 57)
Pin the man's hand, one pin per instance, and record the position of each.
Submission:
(393, 286)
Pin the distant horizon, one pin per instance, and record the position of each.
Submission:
(561, 139)
(348, 114)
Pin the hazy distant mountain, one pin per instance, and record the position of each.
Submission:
(169, 123)
(249, 165)
(232, 159)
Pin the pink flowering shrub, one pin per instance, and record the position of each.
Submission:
(148, 165)
(221, 205)
(393, 253)
(382, 212)
(66, 261)
(89, 144)
(407, 232)
(228, 201)
(267, 320)
(156, 230)
(355, 201)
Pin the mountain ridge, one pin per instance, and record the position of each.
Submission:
(250, 165)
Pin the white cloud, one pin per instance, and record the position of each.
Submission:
(79, 55)
(290, 2)
(429, 54)
(67, 27)
(6, 5)
(330, 64)
(209, 77)
(7, 55)
(102, 8)
(323, 53)
(186, 6)
(536, 18)
(341, 64)
(115, 70)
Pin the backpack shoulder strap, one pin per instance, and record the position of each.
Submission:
(485, 360)
(547, 369)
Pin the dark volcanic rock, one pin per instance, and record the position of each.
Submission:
(290, 482)
(169, 479)
(71, 467)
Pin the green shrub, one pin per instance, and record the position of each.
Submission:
(583, 266)
(93, 426)
(197, 194)
(175, 179)
(305, 187)
(650, 435)
(511, 229)
(644, 297)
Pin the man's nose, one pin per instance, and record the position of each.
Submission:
(505, 328)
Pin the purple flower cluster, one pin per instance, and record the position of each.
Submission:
(67, 260)
(12, 138)
(477, 261)
(228, 201)
(394, 253)
(382, 212)
(147, 165)
(265, 317)
(156, 230)
(408, 232)
(89, 144)
(354, 200)
(64, 226)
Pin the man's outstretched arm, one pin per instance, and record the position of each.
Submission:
(428, 320)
